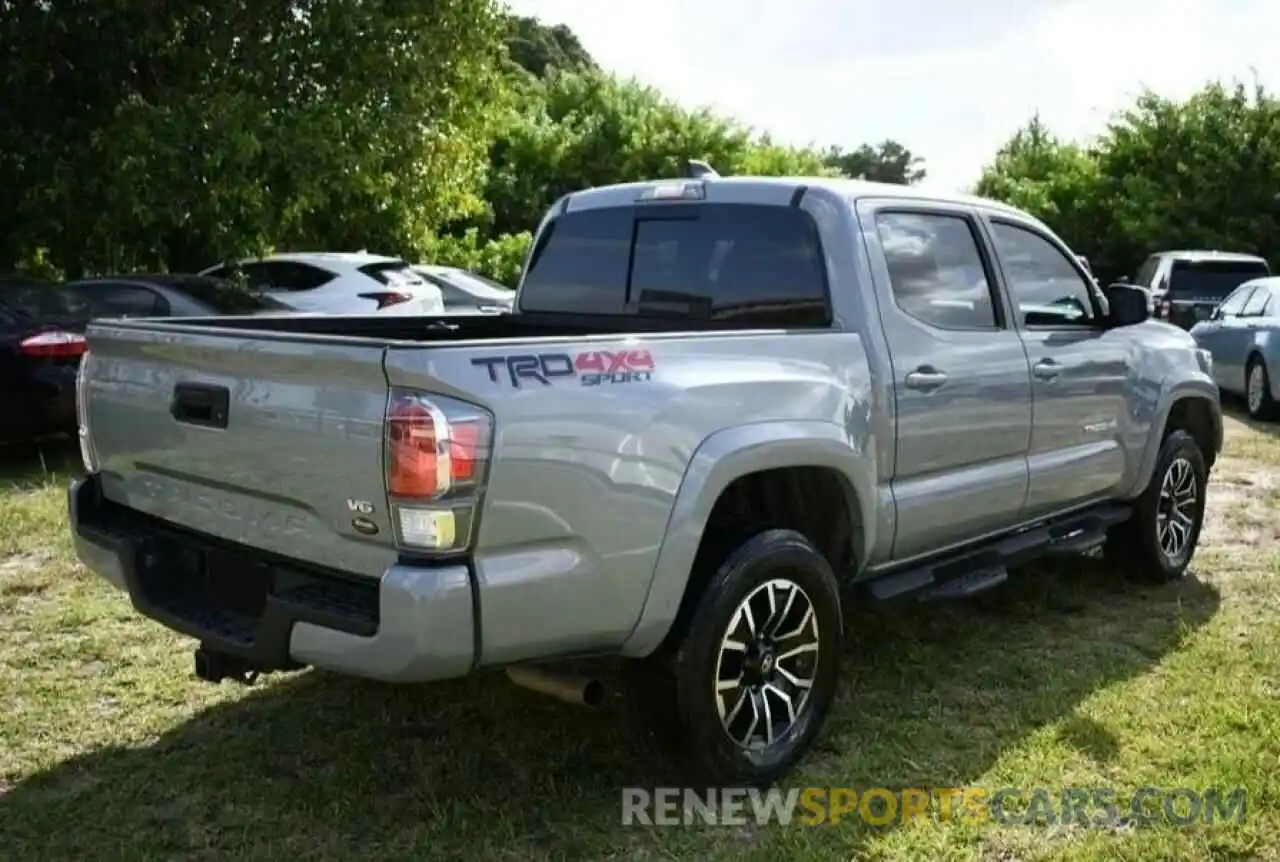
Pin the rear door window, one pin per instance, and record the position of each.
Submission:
(936, 269)
(1211, 279)
(752, 264)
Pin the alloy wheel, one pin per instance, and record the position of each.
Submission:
(1176, 512)
(767, 664)
(1256, 387)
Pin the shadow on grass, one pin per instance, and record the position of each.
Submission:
(34, 463)
(1234, 406)
(319, 767)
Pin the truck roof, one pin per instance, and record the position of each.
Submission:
(770, 189)
(1199, 254)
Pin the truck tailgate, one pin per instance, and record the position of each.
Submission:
(272, 440)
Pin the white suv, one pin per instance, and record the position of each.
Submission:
(339, 283)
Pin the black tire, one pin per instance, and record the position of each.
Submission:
(1135, 546)
(673, 694)
(1265, 408)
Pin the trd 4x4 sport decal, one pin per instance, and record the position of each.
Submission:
(594, 368)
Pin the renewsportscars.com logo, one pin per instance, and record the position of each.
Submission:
(1098, 807)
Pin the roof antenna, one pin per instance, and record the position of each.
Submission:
(697, 169)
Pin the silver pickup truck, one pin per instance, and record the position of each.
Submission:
(719, 402)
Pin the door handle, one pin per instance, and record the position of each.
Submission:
(1046, 369)
(925, 378)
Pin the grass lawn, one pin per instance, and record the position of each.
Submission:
(110, 749)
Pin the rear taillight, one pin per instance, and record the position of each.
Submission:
(87, 454)
(437, 455)
(386, 298)
(53, 345)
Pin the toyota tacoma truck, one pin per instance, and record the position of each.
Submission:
(719, 406)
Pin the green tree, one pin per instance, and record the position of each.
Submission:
(541, 50)
(138, 134)
(886, 162)
(1203, 173)
(1200, 173)
(1054, 180)
(581, 129)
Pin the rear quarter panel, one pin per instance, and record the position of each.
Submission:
(585, 478)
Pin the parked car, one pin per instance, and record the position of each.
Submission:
(467, 292)
(169, 295)
(717, 402)
(338, 283)
(41, 341)
(1186, 286)
(1243, 334)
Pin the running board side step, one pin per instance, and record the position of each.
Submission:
(968, 584)
(977, 569)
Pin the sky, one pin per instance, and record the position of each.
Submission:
(951, 80)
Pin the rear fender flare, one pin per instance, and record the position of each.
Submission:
(722, 458)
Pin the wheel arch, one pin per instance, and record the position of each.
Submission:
(821, 451)
(1195, 408)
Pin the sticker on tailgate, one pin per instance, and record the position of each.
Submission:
(593, 368)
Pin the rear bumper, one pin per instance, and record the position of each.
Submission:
(415, 624)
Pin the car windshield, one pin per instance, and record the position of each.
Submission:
(1212, 279)
(42, 301)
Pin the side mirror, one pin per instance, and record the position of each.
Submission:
(1217, 314)
(1127, 304)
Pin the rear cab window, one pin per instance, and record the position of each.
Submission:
(1212, 279)
(747, 264)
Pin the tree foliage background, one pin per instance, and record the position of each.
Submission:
(1163, 174)
(140, 135)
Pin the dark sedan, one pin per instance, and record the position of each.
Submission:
(41, 340)
(42, 327)
(169, 295)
